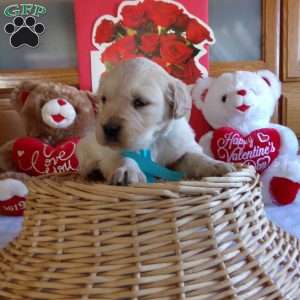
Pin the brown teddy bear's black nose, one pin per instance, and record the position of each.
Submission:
(112, 130)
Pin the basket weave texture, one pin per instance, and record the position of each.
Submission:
(196, 240)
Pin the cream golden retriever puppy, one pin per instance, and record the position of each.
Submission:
(142, 106)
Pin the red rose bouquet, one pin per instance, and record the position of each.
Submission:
(160, 30)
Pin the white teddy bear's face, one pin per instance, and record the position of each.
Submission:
(236, 99)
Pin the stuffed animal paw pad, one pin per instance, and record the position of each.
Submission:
(12, 197)
(284, 190)
(285, 183)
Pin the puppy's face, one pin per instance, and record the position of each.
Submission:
(138, 100)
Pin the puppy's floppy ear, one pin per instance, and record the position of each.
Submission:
(272, 81)
(179, 99)
(200, 91)
(20, 94)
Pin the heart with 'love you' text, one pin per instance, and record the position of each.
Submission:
(34, 157)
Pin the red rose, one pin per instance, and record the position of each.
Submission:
(126, 44)
(162, 13)
(134, 16)
(105, 32)
(188, 72)
(149, 42)
(162, 63)
(123, 48)
(182, 22)
(174, 50)
(110, 54)
(197, 33)
(169, 38)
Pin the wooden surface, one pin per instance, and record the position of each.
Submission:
(291, 107)
(290, 63)
(9, 79)
(291, 40)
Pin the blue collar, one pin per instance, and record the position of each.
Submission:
(152, 170)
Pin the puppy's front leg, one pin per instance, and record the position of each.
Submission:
(128, 173)
(198, 164)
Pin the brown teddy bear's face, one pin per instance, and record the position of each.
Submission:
(54, 112)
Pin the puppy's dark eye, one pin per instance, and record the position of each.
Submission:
(224, 98)
(103, 99)
(139, 103)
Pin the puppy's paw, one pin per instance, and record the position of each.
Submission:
(224, 168)
(95, 175)
(216, 168)
(127, 175)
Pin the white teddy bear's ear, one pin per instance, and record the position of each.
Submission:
(200, 90)
(272, 81)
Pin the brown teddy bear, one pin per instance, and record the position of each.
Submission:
(55, 117)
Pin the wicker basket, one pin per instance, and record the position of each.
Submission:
(205, 239)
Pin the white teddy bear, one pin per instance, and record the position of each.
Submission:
(239, 106)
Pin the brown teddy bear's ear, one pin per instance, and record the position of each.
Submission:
(20, 94)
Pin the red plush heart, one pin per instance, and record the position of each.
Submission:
(34, 157)
(258, 149)
(13, 206)
(284, 190)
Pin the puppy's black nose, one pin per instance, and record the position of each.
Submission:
(111, 130)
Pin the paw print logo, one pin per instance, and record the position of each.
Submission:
(24, 31)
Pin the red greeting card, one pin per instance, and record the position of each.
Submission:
(172, 33)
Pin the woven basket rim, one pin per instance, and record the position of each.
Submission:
(205, 239)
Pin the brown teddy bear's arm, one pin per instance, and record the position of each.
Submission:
(6, 161)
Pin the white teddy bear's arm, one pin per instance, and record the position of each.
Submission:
(205, 143)
(289, 141)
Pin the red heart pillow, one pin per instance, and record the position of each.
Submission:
(34, 157)
(258, 149)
